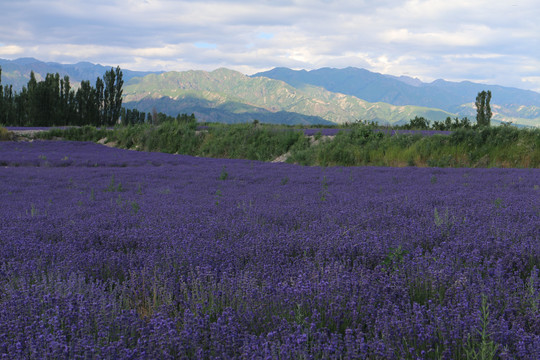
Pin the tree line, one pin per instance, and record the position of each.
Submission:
(134, 117)
(483, 117)
(54, 102)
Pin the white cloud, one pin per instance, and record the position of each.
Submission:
(460, 39)
(10, 50)
(533, 82)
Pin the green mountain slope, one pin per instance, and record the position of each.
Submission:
(228, 112)
(241, 94)
(516, 105)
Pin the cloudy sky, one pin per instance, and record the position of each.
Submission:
(489, 41)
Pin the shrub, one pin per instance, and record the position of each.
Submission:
(5, 135)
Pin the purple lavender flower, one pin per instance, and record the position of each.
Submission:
(110, 253)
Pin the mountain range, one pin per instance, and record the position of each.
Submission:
(17, 72)
(509, 104)
(281, 95)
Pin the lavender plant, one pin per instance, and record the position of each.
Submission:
(272, 271)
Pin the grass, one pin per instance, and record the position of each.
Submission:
(489, 147)
(501, 146)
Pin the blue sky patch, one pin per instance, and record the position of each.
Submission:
(266, 36)
(205, 45)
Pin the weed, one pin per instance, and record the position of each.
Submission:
(113, 186)
(284, 180)
(443, 219)
(218, 196)
(324, 189)
(534, 294)
(135, 207)
(33, 210)
(394, 258)
(244, 205)
(486, 349)
(224, 174)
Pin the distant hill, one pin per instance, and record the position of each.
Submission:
(511, 103)
(228, 112)
(282, 95)
(254, 97)
(17, 72)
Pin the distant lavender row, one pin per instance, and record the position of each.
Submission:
(22, 128)
(420, 132)
(308, 132)
(109, 253)
(334, 131)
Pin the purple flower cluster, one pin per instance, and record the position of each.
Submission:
(18, 128)
(115, 254)
(415, 132)
(334, 131)
(323, 131)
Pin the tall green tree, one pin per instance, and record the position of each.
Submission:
(100, 99)
(67, 102)
(112, 95)
(21, 108)
(9, 105)
(117, 105)
(2, 106)
(87, 109)
(54, 102)
(483, 108)
(108, 97)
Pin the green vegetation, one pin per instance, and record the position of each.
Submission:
(4, 134)
(483, 109)
(53, 102)
(502, 146)
(225, 95)
(487, 147)
(248, 141)
(449, 124)
(83, 133)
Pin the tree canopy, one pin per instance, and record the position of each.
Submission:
(53, 102)
(483, 108)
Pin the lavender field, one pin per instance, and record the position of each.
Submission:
(115, 254)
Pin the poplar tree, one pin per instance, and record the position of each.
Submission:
(117, 104)
(112, 95)
(2, 110)
(483, 108)
(108, 96)
(100, 99)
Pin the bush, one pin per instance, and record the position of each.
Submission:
(84, 133)
(244, 141)
(5, 135)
